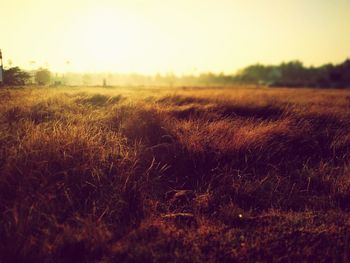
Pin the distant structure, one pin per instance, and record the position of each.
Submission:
(1, 70)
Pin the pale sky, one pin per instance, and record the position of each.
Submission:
(180, 36)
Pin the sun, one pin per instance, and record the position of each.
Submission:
(115, 40)
(106, 38)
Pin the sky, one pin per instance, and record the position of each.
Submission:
(179, 36)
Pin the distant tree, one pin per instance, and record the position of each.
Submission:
(345, 68)
(255, 74)
(42, 76)
(295, 74)
(15, 76)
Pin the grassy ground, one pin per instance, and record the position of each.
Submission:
(174, 175)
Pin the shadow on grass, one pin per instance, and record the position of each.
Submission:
(100, 100)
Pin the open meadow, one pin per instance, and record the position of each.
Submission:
(174, 174)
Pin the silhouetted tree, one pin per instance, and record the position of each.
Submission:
(15, 76)
(43, 76)
(295, 74)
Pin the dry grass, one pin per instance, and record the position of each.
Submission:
(174, 175)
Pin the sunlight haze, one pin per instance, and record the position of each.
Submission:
(183, 36)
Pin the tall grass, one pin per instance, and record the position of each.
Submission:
(155, 175)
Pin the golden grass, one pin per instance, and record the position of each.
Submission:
(179, 175)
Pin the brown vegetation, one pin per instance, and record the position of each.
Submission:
(174, 175)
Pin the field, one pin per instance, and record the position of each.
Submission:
(174, 175)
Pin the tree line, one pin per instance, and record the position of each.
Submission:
(290, 74)
(294, 74)
(15, 76)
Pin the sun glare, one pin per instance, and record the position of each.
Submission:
(182, 36)
(104, 38)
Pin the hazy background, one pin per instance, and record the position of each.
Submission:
(183, 36)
